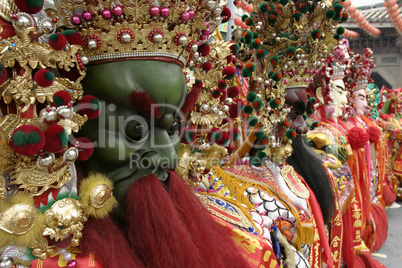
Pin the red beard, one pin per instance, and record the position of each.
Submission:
(166, 226)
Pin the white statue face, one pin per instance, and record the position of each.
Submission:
(360, 101)
(338, 96)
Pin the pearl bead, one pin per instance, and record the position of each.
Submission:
(229, 101)
(225, 108)
(87, 15)
(196, 55)
(68, 256)
(85, 60)
(182, 40)
(65, 113)
(194, 48)
(106, 14)
(218, 11)
(164, 12)
(221, 114)
(23, 21)
(62, 251)
(71, 264)
(211, 4)
(154, 11)
(47, 26)
(185, 16)
(50, 116)
(125, 38)
(92, 44)
(46, 161)
(75, 20)
(6, 262)
(204, 107)
(71, 154)
(117, 11)
(157, 38)
(258, 28)
(214, 110)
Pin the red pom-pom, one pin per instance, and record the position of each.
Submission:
(85, 147)
(44, 78)
(222, 84)
(198, 84)
(61, 98)
(235, 108)
(3, 74)
(226, 14)
(230, 59)
(27, 140)
(358, 138)
(224, 140)
(207, 66)
(216, 93)
(90, 106)
(229, 72)
(73, 37)
(233, 92)
(188, 135)
(214, 135)
(57, 41)
(204, 50)
(223, 95)
(56, 139)
(29, 6)
(191, 100)
(374, 134)
(230, 148)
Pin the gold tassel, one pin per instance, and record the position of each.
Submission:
(307, 234)
(236, 187)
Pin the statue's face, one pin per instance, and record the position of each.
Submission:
(137, 131)
(339, 96)
(360, 102)
(296, 97)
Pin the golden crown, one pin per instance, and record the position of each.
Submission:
(287, 44)
(359, 70)
(113, 30)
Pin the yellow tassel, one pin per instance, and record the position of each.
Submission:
(236, 187)
(97, 196)
(307, 234)
(20, 222)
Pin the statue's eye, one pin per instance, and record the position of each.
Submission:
(136, 130)
(173, 129)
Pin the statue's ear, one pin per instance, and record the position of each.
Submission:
(318, 94)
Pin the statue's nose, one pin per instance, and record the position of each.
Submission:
(299, 125)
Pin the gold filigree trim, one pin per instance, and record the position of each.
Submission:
(238, 218)
(294, 183)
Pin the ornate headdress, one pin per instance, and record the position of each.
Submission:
(117, 29)
(43, 102)
(337, 65)
(286, 45)
(359, 70)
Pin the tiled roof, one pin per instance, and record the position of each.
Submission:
(377, 14)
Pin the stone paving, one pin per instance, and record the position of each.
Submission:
(391, 252)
